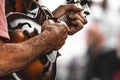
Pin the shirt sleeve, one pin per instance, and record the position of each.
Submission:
(3, 21)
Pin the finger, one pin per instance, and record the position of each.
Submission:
(76, 17)
(60, 42)
(78, 24)
(63, 25)
(62, 9)
(72, 7)
(83, 17)
(64, 37)
(47, 22)
(72, 30)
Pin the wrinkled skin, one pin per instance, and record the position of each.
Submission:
(78, 19)
(52, 37)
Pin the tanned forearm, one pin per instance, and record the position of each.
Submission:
(14, 56)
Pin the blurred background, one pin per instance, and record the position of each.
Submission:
(94, 52)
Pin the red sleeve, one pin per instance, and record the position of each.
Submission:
(3, 22)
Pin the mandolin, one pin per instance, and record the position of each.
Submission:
(23, 26)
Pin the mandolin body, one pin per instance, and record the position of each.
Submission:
(34, 70)
(22, 28)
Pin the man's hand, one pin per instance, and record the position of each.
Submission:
(57, 33)
(77, 18)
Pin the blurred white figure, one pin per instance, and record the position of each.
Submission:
(108, 23)
(97, 11)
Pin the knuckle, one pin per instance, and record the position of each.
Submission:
(62, 6)
(85, 21)
(81, 26)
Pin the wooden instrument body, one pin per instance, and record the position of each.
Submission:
(19, 8)
(34, 70)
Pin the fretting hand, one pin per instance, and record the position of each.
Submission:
(77, 18)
